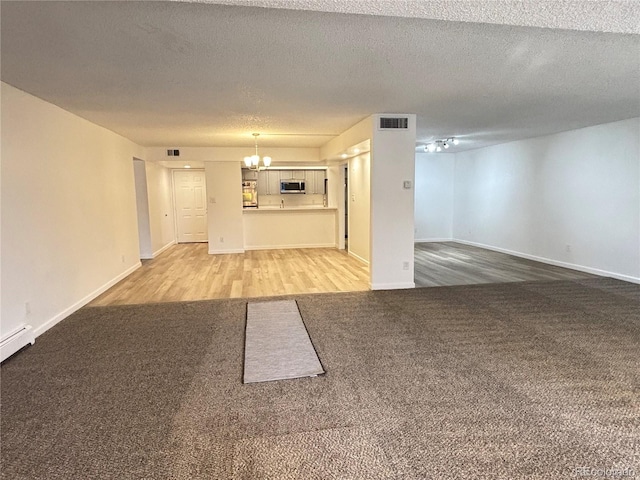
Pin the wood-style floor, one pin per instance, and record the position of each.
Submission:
(449, 263)
(187, 272)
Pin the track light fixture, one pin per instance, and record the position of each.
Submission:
(439, 145)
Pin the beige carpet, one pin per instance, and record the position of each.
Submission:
(513, 381)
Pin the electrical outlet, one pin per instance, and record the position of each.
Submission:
(405, 265)
(122, 258)
(221, 239)
(27, 308)
(567, 248)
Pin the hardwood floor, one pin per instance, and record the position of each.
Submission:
(449, 263)
(187, 272)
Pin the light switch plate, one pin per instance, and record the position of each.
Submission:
(406, 184)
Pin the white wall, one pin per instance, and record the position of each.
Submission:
(359, 229)
(392, 206)
(142, 209)
(69, 227)
(161, 210)
(335, 199)
(224, 192)
(434, 197)
(571, 198)
(391, 162)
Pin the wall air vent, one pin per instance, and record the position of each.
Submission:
(173, 153)
(393, 123)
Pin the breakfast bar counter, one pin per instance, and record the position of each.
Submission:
(289, 227)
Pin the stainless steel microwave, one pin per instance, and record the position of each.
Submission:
(292, 186)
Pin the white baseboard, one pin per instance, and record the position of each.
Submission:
(358, 257)
(157, 252)
(392, 286)
(15, 340)
(81, 303)
(432, 240)
(550, 261)
(284, 247)
(223, 252)
(162, 249)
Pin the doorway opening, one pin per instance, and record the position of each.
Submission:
(346, 207)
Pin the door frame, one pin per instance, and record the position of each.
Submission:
(175, 203)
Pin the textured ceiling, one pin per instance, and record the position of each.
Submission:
(201, 74)
(619, 16)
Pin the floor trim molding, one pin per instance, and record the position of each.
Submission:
(286, 247)
(432, 240)
(357, 257)
(82, 302)
(392, 286)
(549, 261)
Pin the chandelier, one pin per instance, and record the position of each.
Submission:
(253, 162)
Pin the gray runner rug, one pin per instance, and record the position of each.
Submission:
(277, 345)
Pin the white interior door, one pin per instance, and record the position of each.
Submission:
(191, 205)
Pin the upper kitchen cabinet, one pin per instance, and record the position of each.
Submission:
(263, 188)
(314, 181)
(292, 174)
(273, 179)
(269, 182)
(249, 174)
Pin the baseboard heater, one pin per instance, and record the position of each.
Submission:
(15, 340)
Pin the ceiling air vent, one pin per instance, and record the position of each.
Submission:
(393, 123)
(173, 153)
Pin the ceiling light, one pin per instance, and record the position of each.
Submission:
(344, 155)
(438, 145)
(187, 166)
(356, 150)
(253, 162)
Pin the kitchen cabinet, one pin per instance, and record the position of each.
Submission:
(314, 181)
(249, 174)
(263, 187)
(310, 181)
(274, 182)
(292, 174)
(269, 182)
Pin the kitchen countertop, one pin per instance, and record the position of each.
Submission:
(288, 209)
